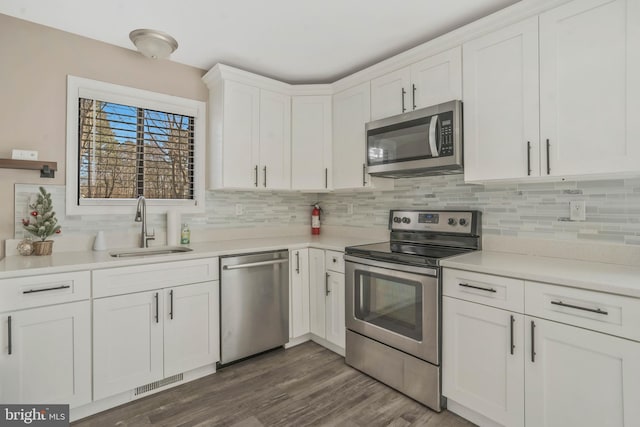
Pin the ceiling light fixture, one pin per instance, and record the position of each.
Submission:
(153, 44)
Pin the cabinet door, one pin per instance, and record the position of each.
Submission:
(351, 111)
(317, 295)
(335, 326)
(483, 360)
(437, 79)
(275, 140)
(241, 135)
(299, 319)
(190, 318)
(588, 56)
(390, 94)
(50, 357)
(501, 104)
(580, 377)
(311, 143)
(127, 342)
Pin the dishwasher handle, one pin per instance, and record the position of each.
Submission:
(255, 264)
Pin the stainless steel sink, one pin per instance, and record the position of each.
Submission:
(159, 250)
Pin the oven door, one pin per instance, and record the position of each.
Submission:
(394, 304)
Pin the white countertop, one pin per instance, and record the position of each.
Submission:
(611, 278)
(20, 266)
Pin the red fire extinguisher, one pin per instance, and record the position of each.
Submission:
(315, 219)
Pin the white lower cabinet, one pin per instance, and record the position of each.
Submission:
(326, 308)
(299, 293)
(127, 342)
(334, 309)
(46, 355)
(144, 337)
(577, 377)
(483, 356)
(507, 368)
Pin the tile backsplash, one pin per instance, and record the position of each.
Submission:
(522, 210)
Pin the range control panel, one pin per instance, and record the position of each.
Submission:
(463, 222)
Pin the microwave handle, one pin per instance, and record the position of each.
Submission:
(432, 136)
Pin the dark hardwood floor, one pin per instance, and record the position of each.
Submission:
(306, 385)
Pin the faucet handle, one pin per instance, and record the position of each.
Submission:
(152, 236)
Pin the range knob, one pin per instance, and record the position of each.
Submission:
(452, 221)
(463, 222)
(406, 220)
(396, 219)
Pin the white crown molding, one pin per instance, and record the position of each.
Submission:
(500, 19)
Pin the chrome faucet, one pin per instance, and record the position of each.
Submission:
(141, 216)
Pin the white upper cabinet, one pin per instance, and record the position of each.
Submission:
(501, 121)
(237, 141)
(351, 112)
(437, 79)
(389, 94)
(431, 81)
(565, 108)
(275, 140)
(250, 135)
(311, 143)
(589, 73)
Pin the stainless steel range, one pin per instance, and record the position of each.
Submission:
(393, 299)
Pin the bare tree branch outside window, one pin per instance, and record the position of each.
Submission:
(126, 151)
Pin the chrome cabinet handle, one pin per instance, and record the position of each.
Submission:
(533, 342)
(513, 346)
(157, 309)
(364, 175)
(33, 291)
(528, 158)
(577, 307)
(9, 334)
(265, 177)
(413, 95)
(255, 170)
(171, 304)
(298, 262)
(403, 93)
(548, 158)
(327, 291)
(466, 285)
(326, 177)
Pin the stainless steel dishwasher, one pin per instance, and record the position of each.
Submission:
(254, 304)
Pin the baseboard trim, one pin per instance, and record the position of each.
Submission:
(470, 414)
(129, 395)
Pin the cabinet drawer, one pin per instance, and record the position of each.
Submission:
(35, 291)
(612, 314)
(126, 280)
(334, 261)
(495, 291)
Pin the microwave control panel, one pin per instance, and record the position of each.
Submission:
(446, 134)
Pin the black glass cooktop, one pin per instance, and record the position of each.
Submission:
(405, 253)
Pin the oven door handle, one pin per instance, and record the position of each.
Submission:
(426, 271)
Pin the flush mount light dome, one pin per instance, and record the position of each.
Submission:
(153, 44)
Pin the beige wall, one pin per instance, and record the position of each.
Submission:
(35, 61)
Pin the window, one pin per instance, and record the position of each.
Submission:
(123, 143)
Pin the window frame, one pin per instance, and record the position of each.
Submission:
(78, 87)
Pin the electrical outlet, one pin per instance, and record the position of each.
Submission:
(577, 210)
(350, 209)
(239, 209)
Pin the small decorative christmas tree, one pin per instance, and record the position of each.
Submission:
(43, 222)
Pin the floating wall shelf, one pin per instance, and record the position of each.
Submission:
(47, 169)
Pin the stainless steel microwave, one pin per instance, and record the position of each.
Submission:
(423, 142)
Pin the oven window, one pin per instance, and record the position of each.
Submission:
(390, 303)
